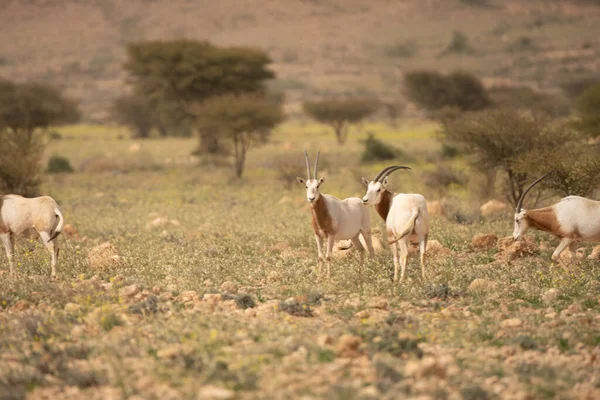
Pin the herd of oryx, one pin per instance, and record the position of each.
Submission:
(406, 218)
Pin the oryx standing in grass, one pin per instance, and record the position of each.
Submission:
(18, 214)
(572, 219)
(405, 215)
(334, 219)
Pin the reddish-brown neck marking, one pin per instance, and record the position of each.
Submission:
(544, 219)
(383, 207)
(321, 218)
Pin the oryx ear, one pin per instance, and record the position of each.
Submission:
(321, 180)
(300, 180)
(365, 181)
(385, 182)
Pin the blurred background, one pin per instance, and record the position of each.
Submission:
(480, 95)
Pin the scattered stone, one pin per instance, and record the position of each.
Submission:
(362, 314)
(494, 207)
(229, 287)
(348, 346)
(595, 254)
(72, 308)
(148, 306)
(484, 241)
(157, 289)
(169, 351)
(427, 367)
(71, 232)
(435, 247)
(436, 208)
(511, 323)
(510, 249)
(379, 303)
(273, 277)
(550, 296)
(482, 285)
(104, 256)
(212, 298)
(352, 302)
(129, 291)
(134, 147)
(324, 340)
(215, 393)
(22, 305)
(188, 295)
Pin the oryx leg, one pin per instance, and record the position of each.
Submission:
(369, 241)
(319, 241)
(556, 255)
(9, 245)
(330, 243)
(358, 245)
(573, 250)
(422, 249)
(52, 248)
(403, 256)
(396, 263)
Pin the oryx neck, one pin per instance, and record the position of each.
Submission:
(383, 207)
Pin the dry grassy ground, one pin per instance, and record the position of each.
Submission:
(319, 47)
(172, 316)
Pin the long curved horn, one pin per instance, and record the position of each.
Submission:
(392, 169)
(520, 202)
(380, 174)
(307, 164)
(317, 164)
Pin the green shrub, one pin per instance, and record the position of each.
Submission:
(59, 164)
(434, 91)
(524, 97)
(588, 110)
(376, 150)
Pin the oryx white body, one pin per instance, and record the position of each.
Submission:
(18, 214)
(406, 219)
(334, 219)
(572, 219)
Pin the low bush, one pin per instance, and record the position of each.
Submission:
(58, 165)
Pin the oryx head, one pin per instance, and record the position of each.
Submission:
(312, 184)
(376, 187)
(521, 225)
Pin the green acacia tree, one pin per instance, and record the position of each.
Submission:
(341, 113)
(174, 75)
(243, 121)
(26, 110)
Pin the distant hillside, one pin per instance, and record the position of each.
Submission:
(319, 47)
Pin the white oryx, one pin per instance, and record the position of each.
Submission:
(334, 219)
(18, 214)
(405, 215)
(572, 219)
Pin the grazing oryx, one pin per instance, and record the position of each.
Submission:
(334, 219)
(572, 218)
(405, 215)
(18, 214)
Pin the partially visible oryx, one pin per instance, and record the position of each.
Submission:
(18, 214)
(334, 219)
(572, 219)
(405, 215)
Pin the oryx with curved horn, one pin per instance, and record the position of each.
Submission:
(572, 219)
(405, 215)
(334, 219)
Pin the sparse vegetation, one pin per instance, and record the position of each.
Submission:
(341, 113)
(588, 108)
(376, 150)
(434, 91)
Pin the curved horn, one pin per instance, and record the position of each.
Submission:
(380, 174)
(392, 169)
(307, 164)
(520, 202)
(317, 164)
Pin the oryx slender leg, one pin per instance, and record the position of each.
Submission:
(561, 246)
(330, 243)
(52, 248)
(403, 256)
(9, 245)
(422, 249)
(573, 250)
(319, 241)
(396, 263)
(369, 241)
(358, 245)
